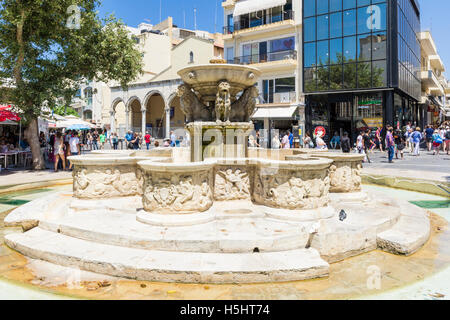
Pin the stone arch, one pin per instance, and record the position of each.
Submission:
(115, 103)
(178, 118)
(149, 95)
(155, 106)
(134, 106)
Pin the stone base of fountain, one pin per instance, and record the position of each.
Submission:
(236, 242)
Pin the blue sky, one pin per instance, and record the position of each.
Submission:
(132, 12)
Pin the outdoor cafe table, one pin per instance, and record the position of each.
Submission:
(8, 154)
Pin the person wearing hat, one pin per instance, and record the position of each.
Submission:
(148, 139)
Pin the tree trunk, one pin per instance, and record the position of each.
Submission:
(32, 136)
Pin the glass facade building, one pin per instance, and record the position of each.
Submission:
(360, 58)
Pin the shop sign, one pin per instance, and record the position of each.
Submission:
(373, 122)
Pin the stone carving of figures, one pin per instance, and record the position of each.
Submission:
(191, 105)
(183, 192)
(232, 185)
(242, 109)
(80, 180)
(223, 102)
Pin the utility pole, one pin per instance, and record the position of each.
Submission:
(195, 19)
(215, 18)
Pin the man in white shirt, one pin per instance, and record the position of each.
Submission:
(74, 144)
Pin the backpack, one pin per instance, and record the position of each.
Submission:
(447, 135)
(438, 139)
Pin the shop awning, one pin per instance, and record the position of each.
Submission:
(275, 113)
(247, 6)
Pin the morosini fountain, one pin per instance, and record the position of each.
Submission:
(217, 212)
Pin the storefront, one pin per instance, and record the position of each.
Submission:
(353, 112)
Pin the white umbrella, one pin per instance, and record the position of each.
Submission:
(73, 121)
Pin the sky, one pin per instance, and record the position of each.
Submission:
(210, 16)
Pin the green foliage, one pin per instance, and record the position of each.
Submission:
(331, 77)
(47, 60)
(65, 111)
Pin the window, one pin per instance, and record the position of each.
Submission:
(191, 57)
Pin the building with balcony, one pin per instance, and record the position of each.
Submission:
(361, 64)
(266, 34)
(434, 85)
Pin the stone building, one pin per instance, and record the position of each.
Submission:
(150, 103)
(267, 35)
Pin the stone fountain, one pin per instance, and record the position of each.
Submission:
(212, 213)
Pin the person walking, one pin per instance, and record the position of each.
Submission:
(74, 144)
(173, 139)
(345, 143)
(307, 141)
(399, 143)
(390, 144)
(95, 140)
(367, 144)
(437, 142)
(102, 139)
(379, 140)
(285, 141)
(447, 140)
(360, 142)
(429, 131)
(335, 141)
(114, 141)
(148, 140)
(59, 151)
(415, 139)
(291, 139)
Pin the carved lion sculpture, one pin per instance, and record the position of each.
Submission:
(242, 109)
(191, 105)
(223, 102)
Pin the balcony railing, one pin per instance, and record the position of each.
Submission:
(278, 97)
(264, 20)
(265, 57)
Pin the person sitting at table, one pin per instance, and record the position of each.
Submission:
(3, 147)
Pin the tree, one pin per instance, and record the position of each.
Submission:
(47, 54)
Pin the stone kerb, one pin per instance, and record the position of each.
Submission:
(102, 177)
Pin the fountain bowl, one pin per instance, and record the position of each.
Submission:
(204, 78)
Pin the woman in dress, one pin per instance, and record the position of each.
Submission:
(59, 151)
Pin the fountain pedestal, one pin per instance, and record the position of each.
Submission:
(219, 139)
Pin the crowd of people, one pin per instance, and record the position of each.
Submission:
(396, 141)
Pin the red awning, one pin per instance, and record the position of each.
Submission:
(6, 114)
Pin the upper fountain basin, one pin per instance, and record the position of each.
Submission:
(204, 78)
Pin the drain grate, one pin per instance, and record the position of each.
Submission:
(437, 204)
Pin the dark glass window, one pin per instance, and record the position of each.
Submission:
(336, 51)
(364, 20)
(310, 54)
(323, 27)
(310, 80)
(364, 47)
(349, 4)
(335, 5)
(310, 29)
(336, 25)
(349, 22)
(350, 76)
(336, 77)
(349, 49)
(323, 53)
(364, 75)
(309, 8)
(322, 6)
